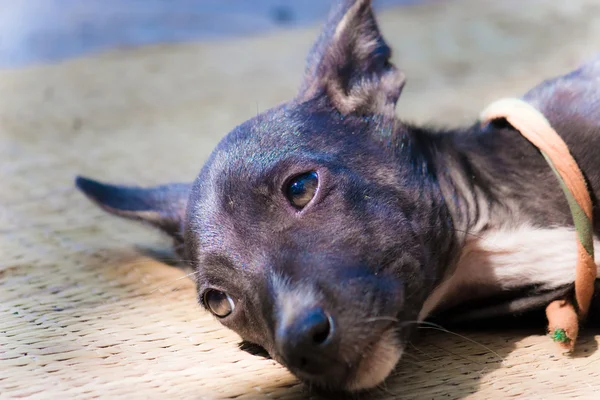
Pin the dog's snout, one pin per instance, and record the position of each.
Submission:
(307, 341)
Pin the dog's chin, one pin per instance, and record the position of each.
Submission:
(374, 367)
(377, 364)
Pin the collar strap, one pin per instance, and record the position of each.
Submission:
(563, 315)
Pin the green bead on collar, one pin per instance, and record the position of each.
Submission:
(560, 335)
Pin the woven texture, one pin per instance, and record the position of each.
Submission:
(89, 305)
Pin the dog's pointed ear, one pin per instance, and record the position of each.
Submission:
(350, 63)
(163, 207)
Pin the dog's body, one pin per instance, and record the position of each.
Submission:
(324, 229)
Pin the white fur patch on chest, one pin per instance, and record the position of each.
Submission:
(509, 259)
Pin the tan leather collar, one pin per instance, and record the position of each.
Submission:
(563, 315)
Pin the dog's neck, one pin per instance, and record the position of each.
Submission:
(482, 179)
(471, 177)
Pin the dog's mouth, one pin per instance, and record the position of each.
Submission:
(372, 364)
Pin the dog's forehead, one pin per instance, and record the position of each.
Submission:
(237, 174)
(290, 128)
(262, 136)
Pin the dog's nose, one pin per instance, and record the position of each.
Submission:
(306, 343)
(315, 327)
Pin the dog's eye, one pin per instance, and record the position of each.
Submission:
(301, 189)
(219, 303)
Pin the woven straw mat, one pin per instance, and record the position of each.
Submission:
(90, 305)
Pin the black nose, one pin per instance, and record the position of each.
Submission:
(316, 326)
(307, 342)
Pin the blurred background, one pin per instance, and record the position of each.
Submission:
(34, 31)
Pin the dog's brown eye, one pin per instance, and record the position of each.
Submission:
(302, 188)
(219, 303)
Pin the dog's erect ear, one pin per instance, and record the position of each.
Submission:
(162, 206)
(350, 63)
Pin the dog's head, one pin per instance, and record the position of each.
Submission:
(311, 226)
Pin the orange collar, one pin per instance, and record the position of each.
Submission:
(564, 315)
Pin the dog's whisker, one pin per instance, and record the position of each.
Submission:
(383, 387)
(434, 326)
(382, 318)
(411, 344)
(145, 262)
(455, 354)
(173, 281)
(431, 325)
(410, 322)
(410, 362)
(413, 356)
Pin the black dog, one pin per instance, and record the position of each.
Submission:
(325, 228)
